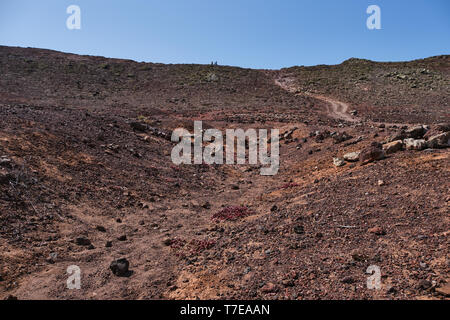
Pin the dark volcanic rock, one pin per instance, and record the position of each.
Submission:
(82, 241)
(120, 267)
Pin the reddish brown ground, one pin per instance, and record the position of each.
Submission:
(78, 164)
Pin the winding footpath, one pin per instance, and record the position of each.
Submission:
(335, 109)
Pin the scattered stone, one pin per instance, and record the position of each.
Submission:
(269, 287)
(338, 162)
(341, 137)
(348, 280)
(352, 156)
(299, 229)
(101, 228)
(82, 241)
(424, 285)
(5, 177)
(381, 183)
(412, 144)
(108, 244)
(120, 267)
(139, 126)
(445, 290)
(378, 231)
(274, 208)
(122, 238)
(167, 242)
(206, 205)
(393, 147)
(5, 162)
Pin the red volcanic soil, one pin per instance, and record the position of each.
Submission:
(86, 178)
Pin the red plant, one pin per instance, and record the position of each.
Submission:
(232, 213)
(182, 247)
(289, 185)
(177, 243)
(201, 245)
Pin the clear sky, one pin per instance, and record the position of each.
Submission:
(247, 33)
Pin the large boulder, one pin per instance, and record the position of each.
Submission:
(372, 153)
(415, 144)
(439, 141)
(393, 146)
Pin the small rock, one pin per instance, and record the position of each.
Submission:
(120, 267)
(108, 244)
(424, 285)
(381, 183)
(377, 230)
(338, 162)
(393, 146)
(82, 241)
(5, 177)
(445, 290)
(139, 126)
(348, 280)
(274, 208)
(371, 153)
(443, 127)
(412, 144)
(101, 228)
(5, 162)
(439, 141)
(269, 287)
(352, 156)
(122, 238)
(206, 205)
(299, 229)
(416, 132)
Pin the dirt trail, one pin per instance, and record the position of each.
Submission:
(335, 109)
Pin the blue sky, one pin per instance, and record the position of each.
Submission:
(247, 33)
